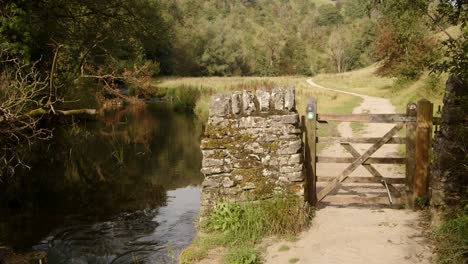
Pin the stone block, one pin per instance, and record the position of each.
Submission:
(253, 122)
(289, 169)
(277, 98)
(295, 159)
(211, 182)
(236, 102)
(295, 176)
(220, 105)
(207, 162)
(263, 98)
(290, 99)
(248, 104)
(226, 168)
(280, 120)
(290, 147)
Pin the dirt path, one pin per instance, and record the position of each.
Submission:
(348, 232)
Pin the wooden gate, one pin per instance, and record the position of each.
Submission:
(418, 121)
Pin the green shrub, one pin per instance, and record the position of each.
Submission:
(243, 255)
(226, 217)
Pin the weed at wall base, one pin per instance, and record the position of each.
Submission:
(240, 227)
(452, 238)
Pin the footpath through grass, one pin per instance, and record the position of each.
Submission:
(400, 92)
(452, 234)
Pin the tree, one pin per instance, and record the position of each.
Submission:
(329, 15)
(337, 46)
(404, 43)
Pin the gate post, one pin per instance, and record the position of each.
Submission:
(423, 147)
(310, 124)
(411, 110)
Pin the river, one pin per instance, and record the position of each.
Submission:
(124, 189)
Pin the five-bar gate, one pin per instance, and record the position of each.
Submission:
(418, 121)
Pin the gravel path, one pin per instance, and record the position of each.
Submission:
(347, 230)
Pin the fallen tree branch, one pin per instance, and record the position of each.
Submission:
(42, 111)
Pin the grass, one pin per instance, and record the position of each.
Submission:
(327, 101)
(400, 92)
(452, 237)
(293, 260)
(283, 248)
(240, 228)
(330, 102)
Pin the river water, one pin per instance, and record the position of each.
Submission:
(124, 189)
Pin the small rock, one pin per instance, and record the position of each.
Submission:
(267, 173)
(228, 183)
(249, 186)
(295, 176)
(283, 179)
(238, 177)
(266, 159)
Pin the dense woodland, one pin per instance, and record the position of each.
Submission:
(225, 38)
(50, 48)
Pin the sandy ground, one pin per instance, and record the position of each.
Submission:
(355, 224)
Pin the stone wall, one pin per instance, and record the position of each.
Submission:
(252, 147)
(449, 172)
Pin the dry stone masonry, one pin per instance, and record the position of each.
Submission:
(450, 162)
(252, 147)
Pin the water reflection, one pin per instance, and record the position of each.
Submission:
(95, 192)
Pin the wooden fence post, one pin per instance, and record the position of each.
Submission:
(411, 110)
(310, 124)
(423, 147)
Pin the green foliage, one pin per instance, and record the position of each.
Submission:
(226, 217)
(404, 42)
(453, 239)
(263, 37)
(357, 8)
(15, 34)
(251, 221)
(183, 97)
(239, 227)
(422, 202)
(329, 15)
(243, 255)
